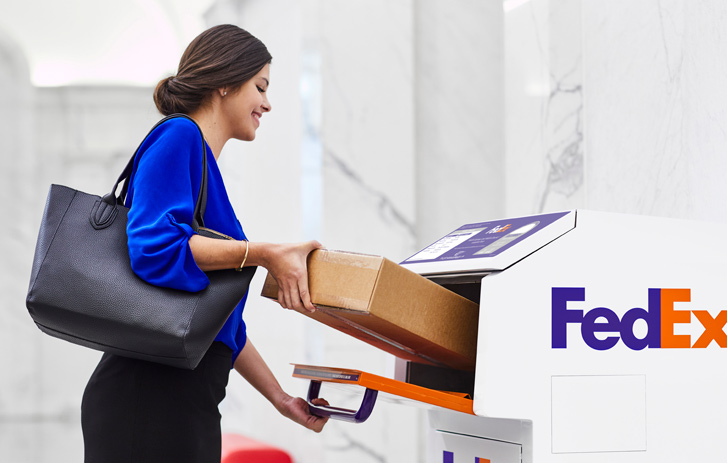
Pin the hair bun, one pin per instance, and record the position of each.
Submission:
(164, 96)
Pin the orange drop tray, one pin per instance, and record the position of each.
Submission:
(373, 383)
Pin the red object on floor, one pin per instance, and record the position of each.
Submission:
(241, 449)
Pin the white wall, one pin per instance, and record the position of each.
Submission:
(79, 136)
(656, 107)
(616, 106)
(544, 126)
(459, 115)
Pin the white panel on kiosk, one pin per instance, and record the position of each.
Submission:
(655, 282)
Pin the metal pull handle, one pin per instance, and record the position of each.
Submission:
(342, 414)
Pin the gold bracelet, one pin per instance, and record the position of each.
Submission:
(247, 248)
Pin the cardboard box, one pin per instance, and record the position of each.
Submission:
(390, 307)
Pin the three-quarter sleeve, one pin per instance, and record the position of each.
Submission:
(162, 195)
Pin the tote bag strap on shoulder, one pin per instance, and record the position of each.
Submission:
(201, 204)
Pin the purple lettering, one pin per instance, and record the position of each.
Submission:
(562, 316)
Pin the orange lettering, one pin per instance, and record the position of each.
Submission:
(669, 317)
(712, 328)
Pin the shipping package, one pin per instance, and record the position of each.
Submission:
(381, 303)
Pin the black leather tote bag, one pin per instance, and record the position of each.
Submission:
(83, 290)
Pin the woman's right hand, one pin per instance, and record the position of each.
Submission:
(298, 410)
(287, 264)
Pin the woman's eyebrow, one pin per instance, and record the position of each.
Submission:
(267, 82)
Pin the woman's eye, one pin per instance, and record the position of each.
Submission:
(261, 90)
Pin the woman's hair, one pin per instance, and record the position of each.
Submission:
(222, 56)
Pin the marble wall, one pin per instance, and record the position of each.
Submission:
(544, 100)
(615, 106)
(656, 107)
(459, 115)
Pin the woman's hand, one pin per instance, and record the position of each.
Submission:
(252, 367)
(297, 409)
(287, 263)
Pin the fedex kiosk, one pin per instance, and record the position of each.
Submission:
(601, 339)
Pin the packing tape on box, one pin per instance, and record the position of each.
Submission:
(339, 257)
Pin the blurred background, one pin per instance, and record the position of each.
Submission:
(394, 122)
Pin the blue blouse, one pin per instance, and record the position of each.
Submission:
(162, 193)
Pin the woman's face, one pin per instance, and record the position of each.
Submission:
(244, 108)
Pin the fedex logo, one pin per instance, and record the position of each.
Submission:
(661, 316)
(498, 229)
(449, 458)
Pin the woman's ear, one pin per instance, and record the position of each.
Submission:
(223, 92)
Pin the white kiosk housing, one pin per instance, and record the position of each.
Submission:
(600, 339)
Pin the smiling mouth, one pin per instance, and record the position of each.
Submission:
(256, 116)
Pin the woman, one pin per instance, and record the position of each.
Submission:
(137, 411)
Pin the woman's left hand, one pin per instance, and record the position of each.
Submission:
(297, 409)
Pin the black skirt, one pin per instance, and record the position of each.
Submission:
(135, 411)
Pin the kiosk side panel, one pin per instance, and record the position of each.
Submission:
(610, 340)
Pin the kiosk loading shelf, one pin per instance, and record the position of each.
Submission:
(601, 339)
(374, 384)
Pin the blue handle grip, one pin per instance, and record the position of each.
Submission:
(342, 414)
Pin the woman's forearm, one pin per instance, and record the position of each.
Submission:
(253, 368)
(215, 254)
(285, 262)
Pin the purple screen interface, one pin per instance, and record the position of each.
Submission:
(484, 239)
